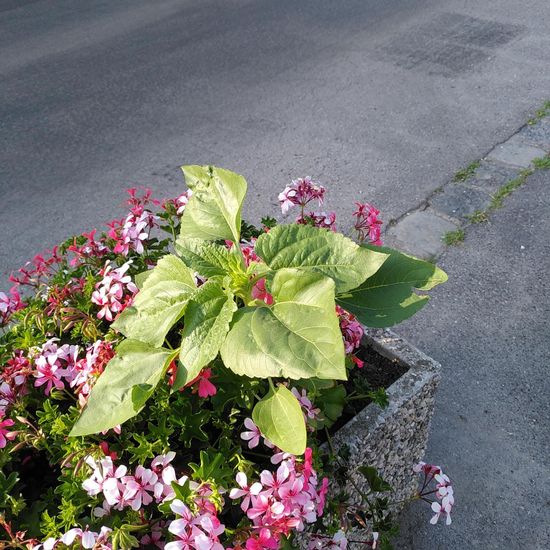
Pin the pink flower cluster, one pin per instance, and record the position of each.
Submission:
(122, 490)
(443, 491)
(54, 365)
(9, 304)
(259, 292)
(13, 380)
(367, 223)
(92, 248)
(318, 219)
(42, 265)
(310, 412)
(352, 330)
(114, 292)
(83, 537)
(132, 232)
(199, 531)
(281, 502)
(301, 192)
(87, 370)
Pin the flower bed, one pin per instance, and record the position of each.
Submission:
(185, 392)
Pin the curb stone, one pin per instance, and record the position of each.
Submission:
(420, 231)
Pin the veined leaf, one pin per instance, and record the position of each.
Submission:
(388, 296)
(159, 304)
(214, 210)
(122, 389)
(209, 259)
(280, 419)
(207, 319)
(320, 250)
(298, 337)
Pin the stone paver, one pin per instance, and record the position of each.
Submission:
(460, 201)
(490, 176)
(538, 134)
(420, 233)
(516, 152)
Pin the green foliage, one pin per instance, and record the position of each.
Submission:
(466, 173)
(452, 238)
(214, 210)
(542, 163)
(376, 483)
(159, 304)
(120, 392)
(388, 297)
(298, 337)
(319, 250)
(206, 326)
(280, 419)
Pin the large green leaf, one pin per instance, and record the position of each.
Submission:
(298, 337)
(207, 319)
(159, 304)
(281, 420)
(313, 249)
(214, 210)
(209, 259)
(122, 389)
(388, 297)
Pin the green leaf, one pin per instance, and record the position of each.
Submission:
(331, 402)
(159, 304)
(214, 210)
(376, 483)
(388, 296)
(298, 337)
(280, 419)
(207, 319)
(209, 259)
(122, 389)
(320, 250)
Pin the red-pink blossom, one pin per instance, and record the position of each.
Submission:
(259, 292)
(367, 223)
(301, 192)
(5, 434)
(351, 328)
(9, 304)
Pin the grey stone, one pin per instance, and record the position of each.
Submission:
(460, 201)
(516, 151)
(420, 233)
(492, 175)
(538, 134)
(395, 438)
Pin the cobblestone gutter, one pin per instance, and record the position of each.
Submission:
(472, 193)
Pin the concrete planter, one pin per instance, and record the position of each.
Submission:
(394, 439)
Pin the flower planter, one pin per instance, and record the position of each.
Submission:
(394, 439)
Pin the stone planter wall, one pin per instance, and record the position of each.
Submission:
(394, 439)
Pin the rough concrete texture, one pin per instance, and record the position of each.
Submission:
(459, 200)
(489, 327)
(516, 151)
(382, 100)
(393, 439)
(420, 233)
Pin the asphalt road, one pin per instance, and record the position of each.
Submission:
(378, 99)
(489, 326)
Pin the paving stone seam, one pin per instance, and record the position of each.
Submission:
(421, 229)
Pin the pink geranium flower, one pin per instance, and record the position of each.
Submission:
(245, 491)
(6, 435)
(259, 292)
(253, 434)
